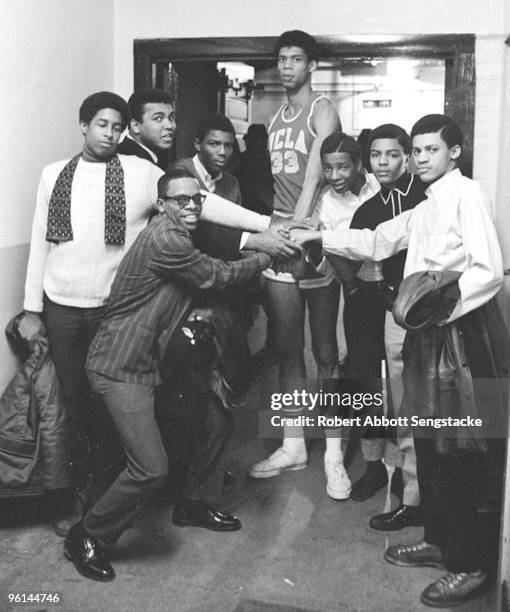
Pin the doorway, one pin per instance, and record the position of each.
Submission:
(370, 78)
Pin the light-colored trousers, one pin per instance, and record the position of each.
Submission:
(402, 454)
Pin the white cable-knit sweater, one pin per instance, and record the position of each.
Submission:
(80, 272)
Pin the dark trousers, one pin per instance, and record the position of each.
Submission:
(70, 332)
(131, 408)
(194, 425)
(195, 428)
(207, 451)
(364, 319)
(461, 501)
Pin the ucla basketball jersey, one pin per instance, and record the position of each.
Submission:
(289, 143)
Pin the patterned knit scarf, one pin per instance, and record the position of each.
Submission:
(59, 210)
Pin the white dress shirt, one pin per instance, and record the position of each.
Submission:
(453, 229)
(335, 211)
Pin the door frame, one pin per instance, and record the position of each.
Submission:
(458, 50)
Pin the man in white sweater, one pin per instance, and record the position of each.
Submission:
(69, 275)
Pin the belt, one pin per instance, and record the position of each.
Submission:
(357, 284)
(380, 284)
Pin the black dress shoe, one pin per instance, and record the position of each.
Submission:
(86, 554)
(403, 516)
(421, 554)
(375, 478)
(196, 513)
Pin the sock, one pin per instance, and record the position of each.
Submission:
(334, 448)
(293, 440)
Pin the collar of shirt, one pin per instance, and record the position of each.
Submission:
(440, 188)
(371, 185)
(153, 155)
(205, 177)
(402, 186)
(369, 188)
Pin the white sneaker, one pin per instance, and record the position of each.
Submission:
(280, 461)
(339, 485)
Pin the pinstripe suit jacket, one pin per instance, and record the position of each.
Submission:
(151, 293)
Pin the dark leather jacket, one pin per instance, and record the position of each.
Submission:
(34, 433)
(456, 369)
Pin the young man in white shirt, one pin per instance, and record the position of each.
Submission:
(452, 230)
(348, 186)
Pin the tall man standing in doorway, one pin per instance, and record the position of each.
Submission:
(295, 137)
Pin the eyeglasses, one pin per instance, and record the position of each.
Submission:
(183, 200)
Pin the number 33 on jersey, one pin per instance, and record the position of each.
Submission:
(284, 150)
(290, 141)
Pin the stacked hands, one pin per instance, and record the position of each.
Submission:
(290, 235)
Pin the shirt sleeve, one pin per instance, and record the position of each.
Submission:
(174, 256)
(322, 213)
(39, 249)
(222, 211)
(386, 240)
(484, 274)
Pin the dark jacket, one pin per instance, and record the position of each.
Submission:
(455, 370)
(33, 425)
(130, 147)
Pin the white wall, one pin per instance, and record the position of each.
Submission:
(196, 18)
(52, 55)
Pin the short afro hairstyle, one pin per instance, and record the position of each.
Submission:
(214, 121)
(171, 175)
(338, 142)
(140, 97)
(298, 38)
(103, 99)
(391, 131)
(449, 131)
